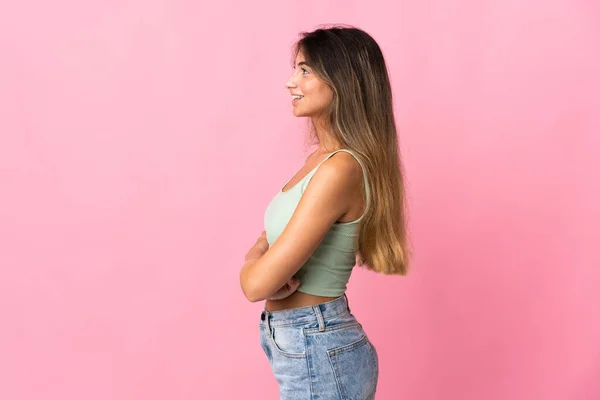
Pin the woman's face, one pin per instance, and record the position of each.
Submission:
(310, 95)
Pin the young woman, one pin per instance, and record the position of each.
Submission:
(344, 207)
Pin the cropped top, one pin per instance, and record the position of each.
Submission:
(327, 271)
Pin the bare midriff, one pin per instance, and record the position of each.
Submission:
(296, 300)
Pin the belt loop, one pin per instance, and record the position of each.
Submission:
(347, 302)
(319, 318)
(267, 321)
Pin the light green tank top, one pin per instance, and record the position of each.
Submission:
(328, 269)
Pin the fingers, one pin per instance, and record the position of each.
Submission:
(290, 287)
(293, 283)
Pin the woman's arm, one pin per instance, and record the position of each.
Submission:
(258, 250)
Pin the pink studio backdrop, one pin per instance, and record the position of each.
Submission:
(140, 142)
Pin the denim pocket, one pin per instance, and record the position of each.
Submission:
(355, 365)
(289, 340)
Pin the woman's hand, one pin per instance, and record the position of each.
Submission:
(260, 247)
(290, 287)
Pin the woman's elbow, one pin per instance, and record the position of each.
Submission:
(253, 298)
(253, 292)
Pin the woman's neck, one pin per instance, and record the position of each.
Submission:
(326, 143)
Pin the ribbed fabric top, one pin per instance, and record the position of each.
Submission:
(328, 270)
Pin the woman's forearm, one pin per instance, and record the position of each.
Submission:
(248, 284)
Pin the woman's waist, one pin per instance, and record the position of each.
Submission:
(296, 300)
(301, 308)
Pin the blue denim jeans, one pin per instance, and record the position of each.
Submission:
(320, 353)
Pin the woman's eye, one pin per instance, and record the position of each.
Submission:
(303, 71)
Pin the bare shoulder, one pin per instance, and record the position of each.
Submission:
(342, 170)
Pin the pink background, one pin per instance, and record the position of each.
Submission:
(141, 141)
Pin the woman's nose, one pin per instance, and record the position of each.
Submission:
(290, 83)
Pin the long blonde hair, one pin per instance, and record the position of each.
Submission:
(361, 118)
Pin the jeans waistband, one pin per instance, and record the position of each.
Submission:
(307, 314)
